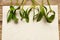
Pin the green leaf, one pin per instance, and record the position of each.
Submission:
(39, 17)
(45, 8)
(12, 8)
(9, 17)
(15, 19)
(40, 14)
(29, 11)
(26, 16)
(22, 16)
(18, 8)
(51, 18)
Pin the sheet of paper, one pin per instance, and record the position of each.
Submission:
(32, 30)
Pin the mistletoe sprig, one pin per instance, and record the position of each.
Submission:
(43, 12)
(51, 18)
(40, 13)
(24, 14)
(12, 14)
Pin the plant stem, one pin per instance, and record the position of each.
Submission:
(11, 2)
(22, 2)
(17, 2)
(49, 5)
(42, 3)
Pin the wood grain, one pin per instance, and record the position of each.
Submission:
(28, 2)
(0, 30)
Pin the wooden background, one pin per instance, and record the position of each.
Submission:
(7, 2)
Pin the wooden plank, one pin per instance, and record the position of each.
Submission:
(59, 16)
(0, 2)
(0, 17)
(59, 12)
(0, 34)
(7, 2)
(0, 7)
(0, 14)
(0, 22)
(0, 11)
(0, 30)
